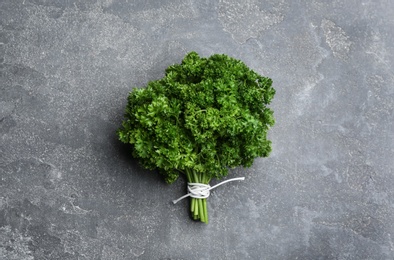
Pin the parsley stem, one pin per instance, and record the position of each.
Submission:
(198, 207)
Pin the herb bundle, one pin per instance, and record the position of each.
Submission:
(205, 116)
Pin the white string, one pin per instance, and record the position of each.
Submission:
(202, 191)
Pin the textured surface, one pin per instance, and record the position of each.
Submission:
(69, 190)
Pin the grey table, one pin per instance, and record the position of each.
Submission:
(70, 190)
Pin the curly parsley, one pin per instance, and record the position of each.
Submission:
(205, 116)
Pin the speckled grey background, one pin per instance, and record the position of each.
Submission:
(69, 190)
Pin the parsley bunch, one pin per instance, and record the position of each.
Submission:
(205, 116)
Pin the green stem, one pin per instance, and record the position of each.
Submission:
(204, 201)
(190, 179)
(198, 207)
(192, 204)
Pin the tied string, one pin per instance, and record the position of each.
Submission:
(202, 191)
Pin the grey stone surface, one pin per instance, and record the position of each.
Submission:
(69, 189)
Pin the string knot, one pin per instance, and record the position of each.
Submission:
(198, 190)
(202, 191)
